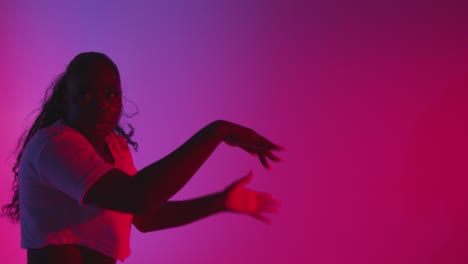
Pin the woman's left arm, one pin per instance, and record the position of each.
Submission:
(235, 198)
(178, 213)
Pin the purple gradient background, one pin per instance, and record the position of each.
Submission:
(370, 101)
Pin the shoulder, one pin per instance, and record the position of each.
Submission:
(53, 141)
(124, 160)
(58, 132)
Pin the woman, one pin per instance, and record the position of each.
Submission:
(77, 188)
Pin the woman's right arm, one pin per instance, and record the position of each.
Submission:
(155, 184)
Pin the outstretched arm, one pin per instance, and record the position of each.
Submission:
(235, 198)
(178, 213)
(152, 186)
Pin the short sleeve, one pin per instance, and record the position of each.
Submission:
(70, 164)
(126, 155)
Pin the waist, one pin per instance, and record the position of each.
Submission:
(69, 253)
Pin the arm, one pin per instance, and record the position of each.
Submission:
(156, 183)
(173, 214)
(152, 186)
(235, 198)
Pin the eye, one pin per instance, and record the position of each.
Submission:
(113, 94)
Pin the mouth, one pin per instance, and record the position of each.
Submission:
(100, 120)
(103, 120)
(105, 124)
(106, 117)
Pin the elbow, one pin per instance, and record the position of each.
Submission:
(139, 209)
(143, 229)
(140, 203)
(140, 198)
(139, 223)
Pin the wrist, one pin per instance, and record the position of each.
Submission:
(220, 201)
(220, 129)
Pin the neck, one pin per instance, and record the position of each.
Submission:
(97, 142)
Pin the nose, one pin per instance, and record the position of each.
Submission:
(101, 102)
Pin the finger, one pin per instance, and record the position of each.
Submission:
(266, 197)
(267, 209)
(268, 204)
(263, 196)
(274, 202)
(272, 156)
(269, 145)
(246, 179)
(249, 150)
(277, 147)
(264, 161)
(261, 218)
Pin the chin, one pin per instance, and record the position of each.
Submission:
(103, 130)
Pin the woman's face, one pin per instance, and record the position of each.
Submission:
(94, 101)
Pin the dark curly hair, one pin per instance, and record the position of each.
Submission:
(52, 110)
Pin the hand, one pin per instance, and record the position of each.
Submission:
(242, 200)
(250, 141)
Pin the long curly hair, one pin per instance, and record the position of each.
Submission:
(52, 110)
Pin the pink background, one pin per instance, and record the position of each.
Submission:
(370, 101)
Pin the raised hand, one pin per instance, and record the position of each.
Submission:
(242, 200)
(250, 141)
